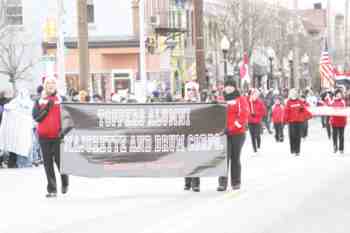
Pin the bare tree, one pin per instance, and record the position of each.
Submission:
(13, 62)
(15, 55)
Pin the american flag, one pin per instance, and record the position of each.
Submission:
(327, 71)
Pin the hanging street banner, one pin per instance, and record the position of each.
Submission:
(144, 140)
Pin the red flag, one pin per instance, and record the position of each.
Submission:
(244, 69)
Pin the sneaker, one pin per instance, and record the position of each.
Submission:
(341, 152)
(64, 189)
(221, 189)
(187, 188)
(297, 154)
(51, 195)
(195, 189)
(236, 187)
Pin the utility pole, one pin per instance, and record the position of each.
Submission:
(346, 42)
(60, 49)
(296, 46)
(329, 26)
(199, 44)
(143, 72)
(83, 45)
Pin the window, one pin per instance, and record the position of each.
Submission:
(14, 14)
(90, 11)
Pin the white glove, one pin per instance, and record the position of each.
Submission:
(237, 124)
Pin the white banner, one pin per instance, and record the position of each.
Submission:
(330, 111)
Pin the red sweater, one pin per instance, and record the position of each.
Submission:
(296, 111)
(237, 116)
(338, 121)
(50, 126)
(257, 111)
(277, 113)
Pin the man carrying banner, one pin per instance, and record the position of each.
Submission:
(47, 113)
(338, 123)
(237, 120)
(295, 115)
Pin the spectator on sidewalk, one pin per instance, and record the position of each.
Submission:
(47, 113)
(16, 130)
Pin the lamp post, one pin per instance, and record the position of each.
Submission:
(305, 60)
(271, 54)
(225, 46)
(291, 63)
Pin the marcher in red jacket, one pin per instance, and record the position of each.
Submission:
(295, 114)
(338, 123)
(326, 100)
(257, 111)
(278, 119)
(237, 119)
(47, 113)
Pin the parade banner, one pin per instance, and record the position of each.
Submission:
(143, 140)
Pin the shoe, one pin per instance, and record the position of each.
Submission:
(64, 189)
(221, 189)
(196, 189)
(236, 187)
(51, 195)
(341, 152)
(297, 154)
(186, 188)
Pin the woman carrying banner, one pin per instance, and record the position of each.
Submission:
(192, 95)
(338, 123)
(47, 113)
(257, 112)
(237, 119)
(295, 114)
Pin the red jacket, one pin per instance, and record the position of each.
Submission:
(278, 113)
(296, 111)
(49, 126)
(338, 121)
(257, 111)
(237, 116)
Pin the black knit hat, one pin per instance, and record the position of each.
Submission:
(230, 82)
(337, 91)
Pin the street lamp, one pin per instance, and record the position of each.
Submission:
(271, 54)
(305, 60)
(290, 58)
(225, 46)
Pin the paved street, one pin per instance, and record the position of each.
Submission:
(280, 193)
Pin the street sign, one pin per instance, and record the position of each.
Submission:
(48, 58)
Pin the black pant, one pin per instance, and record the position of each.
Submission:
(279, 132)
(325, 124)
(12, 162)
(267, 121)
(51, 153)
(255, 134)
(295, 133)
(338, 135)
(305, 129)
(234, 148)
(193, 182)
